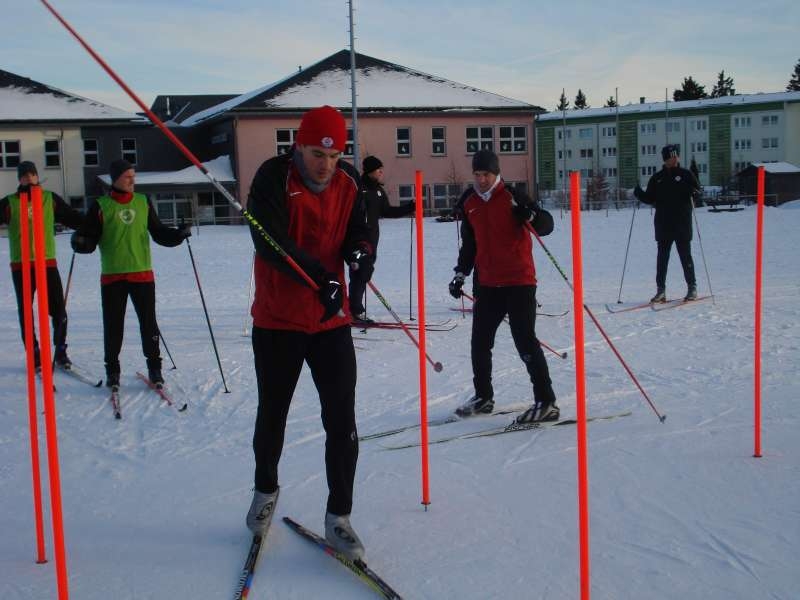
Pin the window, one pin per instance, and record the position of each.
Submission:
(174, 207)
(647, 128)
(699, 125)
(649, 149)
(405, 194)
(743, 144)
(673, 126)
(587, 173)
(702, 168)
(403, 141)
(90, 154)
(610, 151)
(284, 138)
(479, 138)
(521, 186)
(768, 120)
(648, 170)
(586, 152)
(741, 121)
(702, 146)
(585, 133)
(569, 154)
(514, 139)
(348, 147)
(610, 171)
(567, 135)
(608, 132)
(769, 142)
(438, 141)
(445, 195)
(129, 150)
(9, 154)
(52, 154)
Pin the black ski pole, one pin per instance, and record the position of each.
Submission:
(410, 268)
(63, 323)
(625, 262)
(205, 311)
(163, 341)
(703, 254)
(458, 249)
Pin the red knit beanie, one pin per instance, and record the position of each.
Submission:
(324, 127)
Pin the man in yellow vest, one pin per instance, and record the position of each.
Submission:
(121, 224)
(54, 210)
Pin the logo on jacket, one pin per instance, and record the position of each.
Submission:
(677, 177)
(327, 142)
(127, 215)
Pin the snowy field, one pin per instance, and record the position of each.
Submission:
(154, 504)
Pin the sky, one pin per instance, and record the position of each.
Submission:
(526, 50)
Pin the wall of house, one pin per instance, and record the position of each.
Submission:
(256, 142)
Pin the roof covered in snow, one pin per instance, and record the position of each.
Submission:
(26, 100)
(774, 167)
(660, 107)
(382, 87)
(220, 169)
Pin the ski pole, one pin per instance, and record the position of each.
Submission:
(458, 249)
(661, 417)
(249, 295)
(186, 152)
(205, 311)
(702, 253)
(410, 267)
(163, 341)
(437, 366)
(63, 323)
(625, 262)
(541, 343)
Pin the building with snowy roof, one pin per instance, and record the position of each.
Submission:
(622, 145)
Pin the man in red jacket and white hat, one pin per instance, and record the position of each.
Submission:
(496, 242)
(306, 200)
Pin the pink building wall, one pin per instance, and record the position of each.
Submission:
(256, 142)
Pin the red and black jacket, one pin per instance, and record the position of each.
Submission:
(317, 230)
(494, 242)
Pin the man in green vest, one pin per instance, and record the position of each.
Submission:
(54, 210)
(121, 224)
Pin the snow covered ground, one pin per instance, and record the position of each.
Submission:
(154, 504)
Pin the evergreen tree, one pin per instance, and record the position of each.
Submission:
(563, 103)
(690, 90)
(694, 169)
(794, 82)
(610, 103)
(723, 87)
(580, 101)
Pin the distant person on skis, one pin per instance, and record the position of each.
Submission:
(54, 210)
(376, 205)
(495, 241)
(121, 224)
(672, 191)
(307, 201)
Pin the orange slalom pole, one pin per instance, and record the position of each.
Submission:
(49, 400)
(757, 358)
(423, 371)
(27, 303)
(580, 384)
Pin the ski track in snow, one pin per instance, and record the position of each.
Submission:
(154, 504)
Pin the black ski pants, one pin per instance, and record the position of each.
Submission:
(55, 306)
(279, 357)
(358, 285)
(492, 304)
(684, 247)
(114, 297)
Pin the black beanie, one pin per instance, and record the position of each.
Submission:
(486, 160)
(669, 151)
(370, 164)
(26, 167)
(117, 168)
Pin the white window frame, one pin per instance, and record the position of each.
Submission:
(52, 156)
(442, 151)
(402, 145)
(516, 142)
(9, 159)
(483, 140)
(132, 156)
(283, 146)
(93, 153)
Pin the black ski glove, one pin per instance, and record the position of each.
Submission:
(456, 284)
(330, 294)
(359, 258)
(639, 192)
(524, 213)
(83, 244)
(185, 230)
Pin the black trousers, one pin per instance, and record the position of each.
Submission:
(357, 287)
(331, 358)
(114, 297)
(492, 304)
(55, 305)
(684, 247)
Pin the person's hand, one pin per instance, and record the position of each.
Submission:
(412, 207)
(331, 296)
(456, 284)
(524, 213)
(638, 192)
(359, 258)
(82, 244)
(185, 230)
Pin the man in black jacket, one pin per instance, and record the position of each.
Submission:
(375, 201)
(672, 191)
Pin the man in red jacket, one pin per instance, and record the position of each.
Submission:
(306, 200)
(496, 242)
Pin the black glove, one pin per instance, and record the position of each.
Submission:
(185, 230)
(412, 207)
(359, 258)
(83, 244)
(330, 294)
(524, 213)
(456, 284)
(639, 192)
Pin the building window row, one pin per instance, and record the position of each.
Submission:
(769, 142)
(769, 120)
(647, 128)
(698, 125)
(608, 131)
(609, 151)
(743, 144)
(699, 146)
(739, 122)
